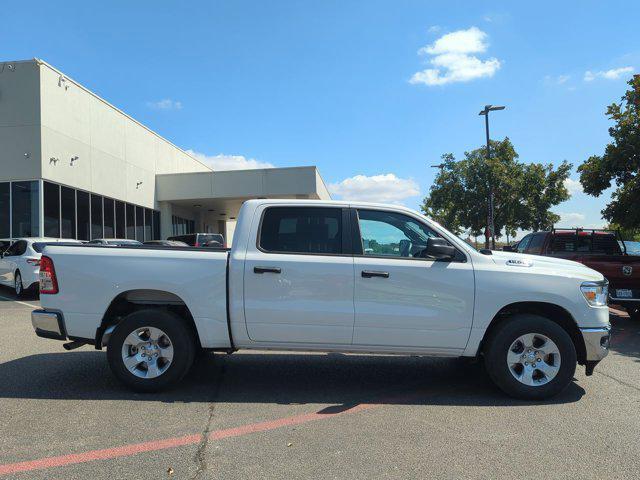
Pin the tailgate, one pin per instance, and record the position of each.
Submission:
(622, 271)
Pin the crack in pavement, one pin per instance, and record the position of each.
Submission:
(621, 382)
(199, 457)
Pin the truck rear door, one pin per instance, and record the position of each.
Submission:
(298, 277)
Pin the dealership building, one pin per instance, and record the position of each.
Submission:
(74, 166)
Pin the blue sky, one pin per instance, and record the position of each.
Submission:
(330, 83)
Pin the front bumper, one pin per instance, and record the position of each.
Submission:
(596, 342)
(48, 324)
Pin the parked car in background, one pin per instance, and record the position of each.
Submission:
(4, 244)
(200, 239)
(299, 278)
(20, 262)
(597, 249)
(166, 243)
(511, 248)
(116, 242)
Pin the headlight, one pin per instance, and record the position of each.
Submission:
(595, 293)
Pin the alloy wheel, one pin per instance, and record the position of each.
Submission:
(533, 359)
(147, 352)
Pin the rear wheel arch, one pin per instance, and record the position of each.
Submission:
(553, 312)
(143, 299)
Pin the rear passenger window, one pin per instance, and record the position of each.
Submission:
(301, 230)
(563, 243)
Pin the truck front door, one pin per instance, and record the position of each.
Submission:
(402, 299)
(298, 278)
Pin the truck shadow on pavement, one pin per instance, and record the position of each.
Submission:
(625, 339)
(342, 381)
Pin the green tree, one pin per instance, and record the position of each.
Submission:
(542, 187)
(523, 193)
(620, 162)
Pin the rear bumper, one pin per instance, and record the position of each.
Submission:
(48, 324)
(596, 342)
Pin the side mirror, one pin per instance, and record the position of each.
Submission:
(439, 248)
(508, 248)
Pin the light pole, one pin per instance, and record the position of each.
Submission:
(485, 112)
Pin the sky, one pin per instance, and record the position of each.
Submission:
(371, 92)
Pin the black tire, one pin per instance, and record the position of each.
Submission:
(18, 286)
(182, 339)
(499, 342)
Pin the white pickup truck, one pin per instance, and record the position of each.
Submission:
(327, 276)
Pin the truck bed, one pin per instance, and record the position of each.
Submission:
(90, 277)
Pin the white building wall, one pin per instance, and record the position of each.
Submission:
(117, 156)
(19, 121)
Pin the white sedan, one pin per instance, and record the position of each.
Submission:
(20, 263)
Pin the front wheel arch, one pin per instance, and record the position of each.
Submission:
(553, 312)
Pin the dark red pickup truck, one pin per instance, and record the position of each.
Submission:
(597, 249)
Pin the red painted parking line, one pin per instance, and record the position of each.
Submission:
(136, 448)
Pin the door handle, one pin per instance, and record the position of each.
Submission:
(373, 273)
(266, 270)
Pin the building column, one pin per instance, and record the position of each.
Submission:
(166, 222)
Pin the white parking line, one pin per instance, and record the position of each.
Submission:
(30, 305)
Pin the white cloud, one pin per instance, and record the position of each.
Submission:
(386, 188)
(229, 162)
(556, 80)
(472, 40)
(434, 29)
(613, 74)
(165, 104)
(451, 55)
(573, 186)
(571, 219)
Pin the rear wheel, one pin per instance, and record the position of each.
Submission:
(17, 284)
(151, 350)
(530, 357)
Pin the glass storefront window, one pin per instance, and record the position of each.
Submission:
(71, 213)
(120, 220)
(51, 210)
(140, 224)
(68, 212)
(147, 224)
(5, 205)
(84, 226)
(108, 218)
(131, 221)
(25, 213)
(96, 216)
(156, 225)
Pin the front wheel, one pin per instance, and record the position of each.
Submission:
(530, 357)
(151, 350)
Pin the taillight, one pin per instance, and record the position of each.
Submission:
(197, 244)
(33, 261)
(48, 281)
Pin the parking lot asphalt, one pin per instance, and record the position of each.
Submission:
(292, 415)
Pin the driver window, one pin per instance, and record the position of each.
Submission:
(392, 234)
(524, 243)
